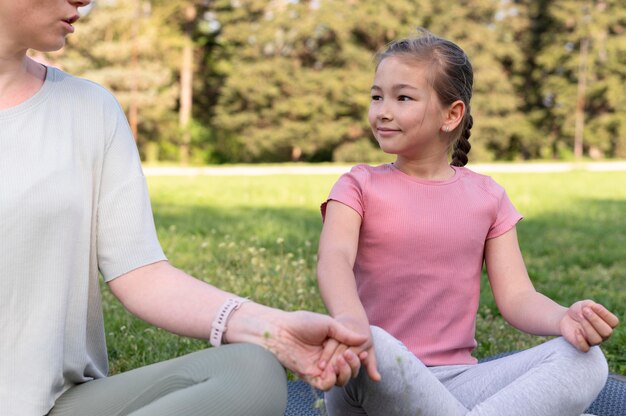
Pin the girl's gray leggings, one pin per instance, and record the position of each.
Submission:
(232, 380)
(552, 379)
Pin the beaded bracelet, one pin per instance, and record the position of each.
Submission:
(218, 327)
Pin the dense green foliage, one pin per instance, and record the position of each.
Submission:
(257, 236)
(289, 79)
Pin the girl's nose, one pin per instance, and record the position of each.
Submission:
(384, 113)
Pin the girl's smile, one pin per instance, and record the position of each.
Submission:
(384, 132)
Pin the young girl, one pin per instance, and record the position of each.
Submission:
(401, 254)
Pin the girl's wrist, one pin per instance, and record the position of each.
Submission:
(356, 322)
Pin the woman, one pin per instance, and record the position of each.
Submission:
(73, 202)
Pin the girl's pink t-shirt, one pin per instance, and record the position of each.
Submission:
(420, 253)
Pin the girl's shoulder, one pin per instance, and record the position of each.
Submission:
(485, 182)
(366, 170)
(362, 173)
(364, 167)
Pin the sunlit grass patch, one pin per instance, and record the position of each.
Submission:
(258, 236)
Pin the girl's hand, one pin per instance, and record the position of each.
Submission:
(586, 324)
(345, 361)
(340, 360)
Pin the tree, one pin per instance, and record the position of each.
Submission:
(594, 32)
(293, 81)
(280, 80)
(298, 73)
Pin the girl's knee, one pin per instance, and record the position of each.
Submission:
(597, 367)
(591, 362)
(593, 375)
(590, 369)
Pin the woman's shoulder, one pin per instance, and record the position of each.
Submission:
(79, 90)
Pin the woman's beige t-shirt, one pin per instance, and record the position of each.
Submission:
(73, 202)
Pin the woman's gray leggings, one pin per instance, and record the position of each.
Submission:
(552, 379)
(232, 380)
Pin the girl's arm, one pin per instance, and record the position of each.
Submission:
(171, 299)
(337, 251)
(584, 324)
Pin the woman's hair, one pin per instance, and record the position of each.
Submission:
(452, 78)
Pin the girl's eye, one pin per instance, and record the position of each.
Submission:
(376, 97)
(404, 98)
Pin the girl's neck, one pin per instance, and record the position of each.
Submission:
(20, 78)
(434, 169)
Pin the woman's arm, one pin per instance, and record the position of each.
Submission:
(336, 256)
(170, 299)
(584, 324)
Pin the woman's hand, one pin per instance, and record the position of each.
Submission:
(586, 324)
(298, 341)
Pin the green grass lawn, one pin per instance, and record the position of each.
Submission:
(257, 236)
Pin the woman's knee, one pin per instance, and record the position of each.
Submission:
(253, 374)
(261, 368)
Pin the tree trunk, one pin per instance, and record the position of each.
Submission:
(186, 86)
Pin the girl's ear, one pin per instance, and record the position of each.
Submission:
(454, 115)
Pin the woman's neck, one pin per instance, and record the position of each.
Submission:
(435, 168)
(20, 78)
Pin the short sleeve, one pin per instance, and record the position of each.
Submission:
(349, 190)
(126, 235)
(506, 214)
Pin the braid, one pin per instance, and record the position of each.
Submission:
(462, 145)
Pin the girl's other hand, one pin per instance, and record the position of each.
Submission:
(586, 324)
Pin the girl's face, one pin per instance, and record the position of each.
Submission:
(37, 24)
(405, 113)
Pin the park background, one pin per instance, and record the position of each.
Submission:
(249, 81)
(230, 81)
